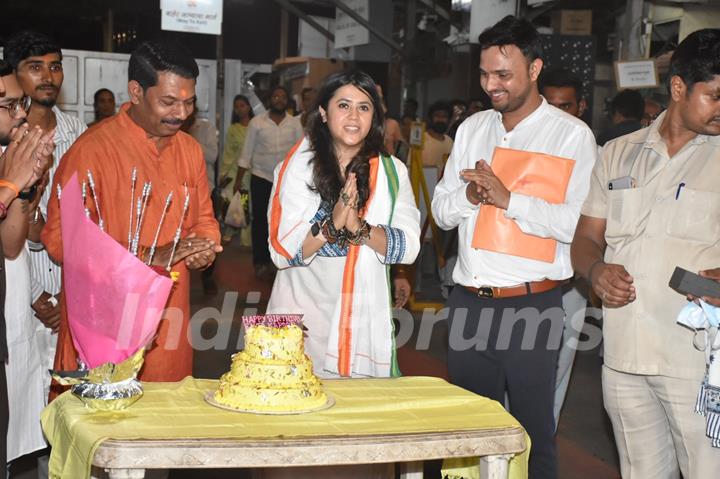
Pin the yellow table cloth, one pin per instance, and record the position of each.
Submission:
(178, 410)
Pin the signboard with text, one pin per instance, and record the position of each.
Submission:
(348, 32)
(193, 16)
(636, 74)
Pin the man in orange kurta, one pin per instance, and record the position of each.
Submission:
(145, 135)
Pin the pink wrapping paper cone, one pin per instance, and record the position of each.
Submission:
(114, 300)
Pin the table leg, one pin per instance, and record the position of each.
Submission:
(126, 473)
(494, 467)
(411, 470)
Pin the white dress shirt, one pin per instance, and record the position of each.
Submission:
(45, 274)
(267, 144)
(546, 130)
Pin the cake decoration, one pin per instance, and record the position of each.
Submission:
(272, 375)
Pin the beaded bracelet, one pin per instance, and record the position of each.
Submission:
(329, 231)
(10, 185)
(361, 236)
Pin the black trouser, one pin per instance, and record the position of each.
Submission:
(260, 199)
(496, 361)
(4, 418)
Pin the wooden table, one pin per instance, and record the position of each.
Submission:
(406, 420)
(129, 459)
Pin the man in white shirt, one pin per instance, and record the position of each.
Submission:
(270, 137)
(19, 401)
(505, 313)
(37, 60)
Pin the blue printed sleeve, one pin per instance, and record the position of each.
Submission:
(396, 244)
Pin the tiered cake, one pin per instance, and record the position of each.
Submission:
(272, 374)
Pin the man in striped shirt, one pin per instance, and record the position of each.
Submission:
(37, 61)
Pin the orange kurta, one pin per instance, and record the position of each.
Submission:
(110, 150)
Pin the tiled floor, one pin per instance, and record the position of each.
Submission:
(584, 440)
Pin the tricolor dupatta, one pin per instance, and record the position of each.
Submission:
(393, 188)
(114, 300)
(356, 300)
(276, 207)
(348, 286)
(360, 342)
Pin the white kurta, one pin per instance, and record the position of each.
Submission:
(314, 286)
(23, 369)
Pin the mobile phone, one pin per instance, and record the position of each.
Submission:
(686, 282)
(622, 183)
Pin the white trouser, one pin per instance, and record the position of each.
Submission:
(657, 432)
(574, 304)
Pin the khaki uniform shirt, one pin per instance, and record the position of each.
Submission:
(672, 218)
(436, 152)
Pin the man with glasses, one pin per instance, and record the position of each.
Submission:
(145, 135)
(22, 164)
(270, 137)
(17, 108)
(37, 61)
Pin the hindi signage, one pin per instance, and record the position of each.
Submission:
(194, 16)
(636, 74)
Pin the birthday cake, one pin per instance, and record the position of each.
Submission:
(272, 374)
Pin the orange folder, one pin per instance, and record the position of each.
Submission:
(533, 174)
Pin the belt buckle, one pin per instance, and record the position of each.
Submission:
(485, 292)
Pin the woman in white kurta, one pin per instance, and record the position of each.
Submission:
(341, 212)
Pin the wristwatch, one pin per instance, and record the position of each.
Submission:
(317, 230)
(28, 195)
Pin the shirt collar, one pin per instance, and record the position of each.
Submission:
(533, 117)
(63, 127)
(651, 135)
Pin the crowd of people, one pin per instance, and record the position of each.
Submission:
(523, 180)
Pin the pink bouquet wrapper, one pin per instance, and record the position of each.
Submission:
(114, 301)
